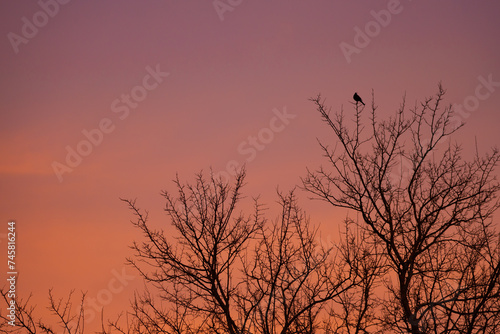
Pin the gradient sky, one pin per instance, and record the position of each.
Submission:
(227, 79)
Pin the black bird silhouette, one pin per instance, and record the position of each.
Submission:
(357, 98)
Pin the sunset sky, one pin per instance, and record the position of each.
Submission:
(166, 87)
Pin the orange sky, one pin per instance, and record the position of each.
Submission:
(180, 86)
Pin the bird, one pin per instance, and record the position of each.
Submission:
(357, 98)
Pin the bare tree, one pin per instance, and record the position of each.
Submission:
(66, 318)
(423, 257)
(229, 273)
(432, 223)
(220, 271)
(354, 309)
(290, 275)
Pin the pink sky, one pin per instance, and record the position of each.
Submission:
(227, 80)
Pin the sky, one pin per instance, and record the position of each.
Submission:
(102, 100)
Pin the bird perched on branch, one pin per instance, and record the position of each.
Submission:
(357, 98)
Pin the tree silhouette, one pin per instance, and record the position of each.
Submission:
(230, 273)
(432, 224)
(66, 317)
(422, 257)
(221, 271)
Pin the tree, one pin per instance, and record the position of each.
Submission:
(423, 257)
(432, 224)
(221, 271)
(68, 320)
(229, 273)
